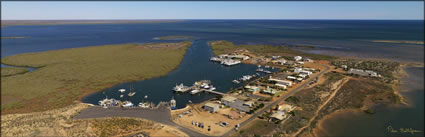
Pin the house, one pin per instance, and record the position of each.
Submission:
(302, 75)
(269, 90)
(297, 70)
(211, 107)
(291, 78)
(249, 103)
(305, 72)
(279, 61)
(279, 115)
(253, 89)
(307, 60)
(282, 82)
(227, 100)
(298, 58)
(281, 86)
(242, 57)
(275, 57)
(344, 67)
(223, 56)
(285, 108)
(362, 72)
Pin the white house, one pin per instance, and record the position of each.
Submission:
(211, 107)
(298, 58)
(291, 78)
(226, 100)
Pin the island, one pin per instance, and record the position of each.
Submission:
(12, 37)
(401, 41)
(174, 38)
(65, 76)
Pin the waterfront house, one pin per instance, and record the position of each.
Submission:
(253, 89)
(282, 82)
(211, 107)
(269, 90)
(241, 57)
(227, 100)
(279, 61)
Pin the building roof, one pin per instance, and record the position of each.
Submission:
(277, 116)
(229, 98)
(213, 105)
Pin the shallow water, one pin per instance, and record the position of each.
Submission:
(361, 124)
(194, 67)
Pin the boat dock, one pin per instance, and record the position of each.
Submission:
(214, 92)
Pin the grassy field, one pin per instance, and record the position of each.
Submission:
(65, 76)
(222, 47)
(255, 128)
(10, 71)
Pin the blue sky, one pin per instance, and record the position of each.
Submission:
(212, 10)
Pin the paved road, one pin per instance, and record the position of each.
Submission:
(161, 115)
(267, 107)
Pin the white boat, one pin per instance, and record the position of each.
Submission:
(194, 91)
(259, 66)
(212, 88)
(131, 94)
(121, 96)
(236, 81)
(259, 70)
(268, 72)
(144, 105)
(127, 104)
(121, 90)
(266, 66)
(181, 88)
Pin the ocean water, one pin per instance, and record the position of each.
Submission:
(332, 37)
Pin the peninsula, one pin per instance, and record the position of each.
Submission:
(65, 76)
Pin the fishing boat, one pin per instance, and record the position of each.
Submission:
(121, 90)
(236, 81)
(144, 105)
(181, 88)
(173, 103)
(131, 94)
(127, 104)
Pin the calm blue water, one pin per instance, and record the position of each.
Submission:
(194, 67)
(333, 37)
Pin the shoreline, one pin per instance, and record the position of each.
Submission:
(319, 127)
